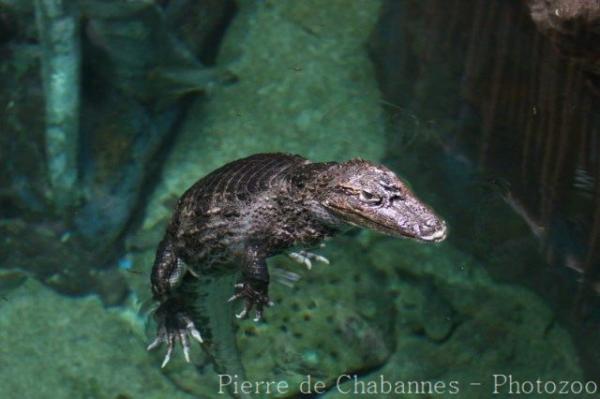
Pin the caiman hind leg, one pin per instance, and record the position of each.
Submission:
(254, 286)
(172, 316)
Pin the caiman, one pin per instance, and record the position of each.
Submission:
(229, 222)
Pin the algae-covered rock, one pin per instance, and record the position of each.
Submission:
(57, 347)
(332, 320)
(455, 326)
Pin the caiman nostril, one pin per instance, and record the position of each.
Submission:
(437, 233)
(432, 222)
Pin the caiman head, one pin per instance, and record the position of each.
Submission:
(364, 194)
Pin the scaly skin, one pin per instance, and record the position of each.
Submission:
(253, 208)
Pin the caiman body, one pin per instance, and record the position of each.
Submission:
(236, 217)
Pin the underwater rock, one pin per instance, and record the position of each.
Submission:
(199, 25)
(42, 251)
(437, 315)
(336, 318)
(573, 26)
(140, 48)
(119, 69)
(23, 176)
(133, 104)
(139, 78)
(9, 281)
(59, 347)
(455, 323)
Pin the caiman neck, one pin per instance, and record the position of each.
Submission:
(308, 184)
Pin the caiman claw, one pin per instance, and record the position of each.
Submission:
(305, 258)
(254, 294)
(173, 327)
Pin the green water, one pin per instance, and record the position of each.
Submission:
(483, 314)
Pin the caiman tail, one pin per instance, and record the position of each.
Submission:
(215, 319)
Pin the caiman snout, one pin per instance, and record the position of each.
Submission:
(367, 195)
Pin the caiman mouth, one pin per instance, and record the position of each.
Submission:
(436, 236)
(366, 222)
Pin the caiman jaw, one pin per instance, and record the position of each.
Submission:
(390, 226)
(406, 217)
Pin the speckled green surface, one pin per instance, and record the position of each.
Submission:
(58, 347)
(453, 323)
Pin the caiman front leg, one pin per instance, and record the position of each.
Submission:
(172, 316)
(254, 286)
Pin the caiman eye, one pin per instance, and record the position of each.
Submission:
(369, 198)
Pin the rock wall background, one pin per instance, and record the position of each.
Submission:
(513, 113)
